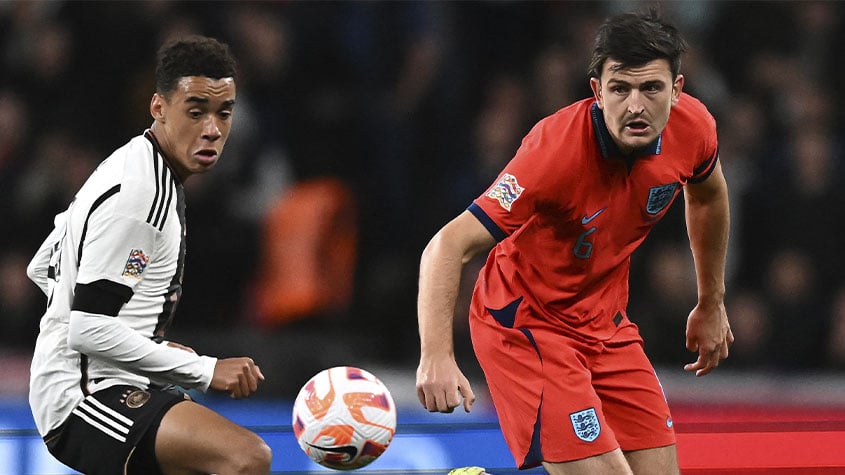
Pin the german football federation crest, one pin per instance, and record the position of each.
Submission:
(659, 197)
(586, 424)
(506, 191)
(135, 399)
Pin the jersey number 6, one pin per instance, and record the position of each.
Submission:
(584, 249)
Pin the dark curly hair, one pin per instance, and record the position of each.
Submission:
(192, 56)
(635, 39)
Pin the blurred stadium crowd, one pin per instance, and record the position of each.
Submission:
(397, 115)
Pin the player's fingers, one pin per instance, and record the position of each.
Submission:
(724, 350)
(258, 373)
(430, 402)
(469, 397)
(710, 360)
(697, 366)
(421, 397)
(236, 389)
(245, 382)
(446, 401)
(692, 344)
(251, 377)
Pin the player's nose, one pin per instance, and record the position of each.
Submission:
(635, 105)
(211, 129)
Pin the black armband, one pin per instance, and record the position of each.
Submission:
(102, 297)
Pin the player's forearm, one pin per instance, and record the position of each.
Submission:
(708, 225)
(109, 339)
(440, 274)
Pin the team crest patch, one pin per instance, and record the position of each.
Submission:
(136, 264)
(586, 424)
(506, 191)
(659, 197)
(136, 399)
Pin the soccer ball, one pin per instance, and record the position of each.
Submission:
(344, 418)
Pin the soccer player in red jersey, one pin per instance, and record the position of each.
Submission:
(572, 386)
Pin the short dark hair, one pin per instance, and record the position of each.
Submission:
(635, 39)
(192, 56)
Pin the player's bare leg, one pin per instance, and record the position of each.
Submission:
(193, 439)
(659, 461)
(611, 463)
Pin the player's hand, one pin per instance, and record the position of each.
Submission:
(708, 333)
(237, 376)
(441, 387)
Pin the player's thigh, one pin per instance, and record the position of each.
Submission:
(193, 438)
(541, 388)
(611, 463)
(657, 461)
(632, 397)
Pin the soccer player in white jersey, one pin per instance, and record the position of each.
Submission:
(104, 380)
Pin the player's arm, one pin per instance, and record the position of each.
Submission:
(39, 268)
(440, 384)
(93, 330)
(708, 223)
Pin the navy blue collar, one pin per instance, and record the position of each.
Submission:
(608, 146)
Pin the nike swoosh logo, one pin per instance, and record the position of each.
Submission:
(343, 449)
(587, 219)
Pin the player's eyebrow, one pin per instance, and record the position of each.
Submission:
(204, 100)
(618, 81)
(653, 82)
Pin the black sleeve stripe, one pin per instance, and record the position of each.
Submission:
(171, 191)
(701, 173)
(165, 192)
(158, 187)
(112, 191)
(488, 223)
(102, 297)
(165, 182)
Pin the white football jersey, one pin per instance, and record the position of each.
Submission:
(114, 260)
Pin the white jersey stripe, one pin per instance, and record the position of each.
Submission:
(84, 408)
(120, 417)
(99, 426)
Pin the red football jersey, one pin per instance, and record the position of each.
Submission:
(569, 210)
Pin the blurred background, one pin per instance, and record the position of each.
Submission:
(363, 127)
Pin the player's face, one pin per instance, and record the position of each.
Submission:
(636, 101)
(193, 122)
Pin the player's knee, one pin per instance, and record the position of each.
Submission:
(254, 457)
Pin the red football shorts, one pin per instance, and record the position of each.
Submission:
(560, 399)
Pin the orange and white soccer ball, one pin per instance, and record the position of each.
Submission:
(344, 418)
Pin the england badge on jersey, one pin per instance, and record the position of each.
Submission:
(586, 424)
(136, 264)
(506, 191)
(659, 197)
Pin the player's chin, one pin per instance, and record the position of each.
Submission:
(204, 166)
(636, 142)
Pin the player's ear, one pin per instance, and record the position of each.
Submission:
(595, 85)
(677, 87)
(157, 107)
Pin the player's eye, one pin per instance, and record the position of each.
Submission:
(195, 114)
